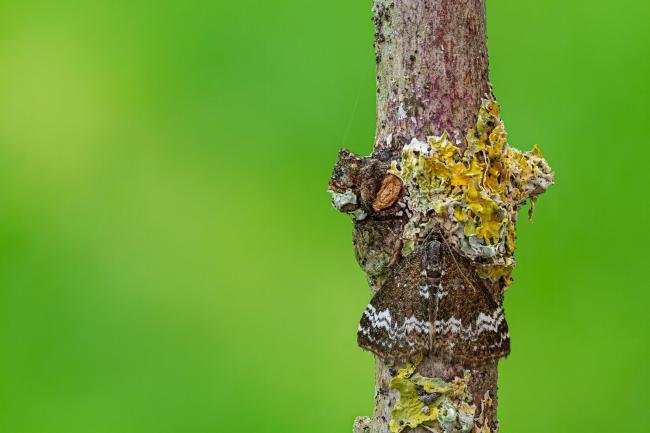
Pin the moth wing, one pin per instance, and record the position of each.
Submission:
(469, 324)
(396, 323)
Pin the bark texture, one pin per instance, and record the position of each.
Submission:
(432, 72)
(432, 62)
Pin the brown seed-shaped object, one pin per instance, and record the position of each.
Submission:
(388, 192)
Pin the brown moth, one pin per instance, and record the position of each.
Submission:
(433, 302)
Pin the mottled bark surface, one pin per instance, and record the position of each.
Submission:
(432, 62)
(432, 71)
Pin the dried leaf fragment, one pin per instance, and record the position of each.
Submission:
(388, 192)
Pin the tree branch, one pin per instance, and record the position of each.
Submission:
(432, 80)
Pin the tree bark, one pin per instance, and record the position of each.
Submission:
(432, 62)
(432, 72)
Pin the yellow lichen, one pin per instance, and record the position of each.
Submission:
(413, 410)
(480, 188)
(482, 429)
(495, 272)
(481, 423)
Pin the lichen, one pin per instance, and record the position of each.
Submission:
(481, 424)
(340, 199)
(347, 200)
(401, 113)
(453, 420)
(431, 402)
(473, 193)
(361, 425)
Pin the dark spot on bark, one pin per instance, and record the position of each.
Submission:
(429, 398)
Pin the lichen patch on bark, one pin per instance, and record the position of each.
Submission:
(474, 193)
(431, 402)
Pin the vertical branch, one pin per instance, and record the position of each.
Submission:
(440, 165)
(432, 72)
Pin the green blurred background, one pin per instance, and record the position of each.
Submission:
(170, 262)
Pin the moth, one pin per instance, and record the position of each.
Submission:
(434, 302)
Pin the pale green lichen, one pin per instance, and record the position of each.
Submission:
(431, 403)
(359, 214)
(361, 425)
(375, 263)
(455, 420)
(473, 193)
(341, 199)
